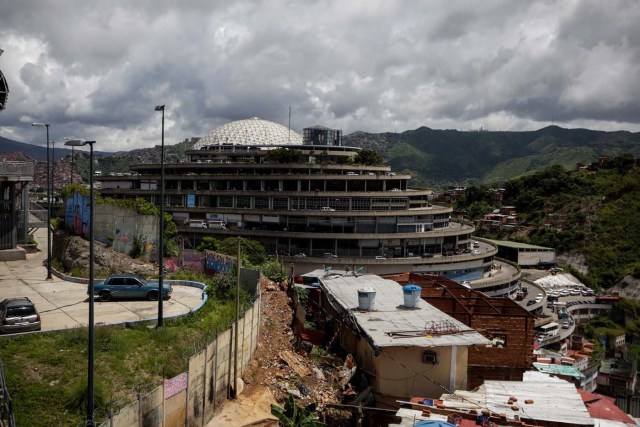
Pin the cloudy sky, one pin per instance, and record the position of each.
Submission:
(96, 69)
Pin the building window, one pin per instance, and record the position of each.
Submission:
(225, 201)
(297, 203)
(175, 201)
(280, 203)
(243, 202)
(262, 203)
(498, 339)
(360, 204)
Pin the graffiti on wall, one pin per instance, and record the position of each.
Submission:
(77, 214)
(218, 263)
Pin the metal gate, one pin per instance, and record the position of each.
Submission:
(8, 216)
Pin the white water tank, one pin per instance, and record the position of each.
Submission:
(366, 299)
(411, 293)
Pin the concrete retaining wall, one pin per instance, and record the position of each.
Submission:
(120, 226)
(208, 378)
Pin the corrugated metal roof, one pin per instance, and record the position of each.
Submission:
(559, 402)
(552, 401)
(391, 317)
(539, 377)
(555, 369)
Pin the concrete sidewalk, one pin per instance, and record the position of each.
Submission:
(64, 304)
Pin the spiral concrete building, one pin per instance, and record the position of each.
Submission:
(315, 203)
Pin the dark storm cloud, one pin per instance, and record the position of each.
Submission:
(97, 69)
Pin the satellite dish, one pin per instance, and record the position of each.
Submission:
(327, 270)
(358, 271)
(4, 92)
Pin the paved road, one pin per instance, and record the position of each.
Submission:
(64, 304)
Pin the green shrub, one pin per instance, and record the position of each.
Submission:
(273, 270)
(75, 397)
(208, 243)
(137, 247)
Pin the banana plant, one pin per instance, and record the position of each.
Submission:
(293, 416)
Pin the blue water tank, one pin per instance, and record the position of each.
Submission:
(411, 293)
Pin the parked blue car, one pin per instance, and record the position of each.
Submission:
(129, 286)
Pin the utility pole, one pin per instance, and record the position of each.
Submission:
(235, 360)
(161, 227)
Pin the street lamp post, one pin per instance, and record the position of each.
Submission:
(161, 225)
(53, 168)
(90, 373)
(49, 196)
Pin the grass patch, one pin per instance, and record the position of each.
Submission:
(46, 373)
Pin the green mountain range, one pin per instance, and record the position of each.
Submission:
(436, 158)
(448, 157)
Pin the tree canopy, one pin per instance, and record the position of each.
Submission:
(368, 158)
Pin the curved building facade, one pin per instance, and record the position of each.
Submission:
(309, 200)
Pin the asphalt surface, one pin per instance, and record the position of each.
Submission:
(65, 304)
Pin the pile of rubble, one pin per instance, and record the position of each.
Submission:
(311, 378)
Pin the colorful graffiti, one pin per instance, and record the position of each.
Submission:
(77, 214)
(218, 263)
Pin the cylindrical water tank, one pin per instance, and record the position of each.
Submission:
(411, 293)
(366, 298)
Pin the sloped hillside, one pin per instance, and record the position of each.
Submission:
(447, 157)
(593, 212)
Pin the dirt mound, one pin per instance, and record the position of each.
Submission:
(73, 254)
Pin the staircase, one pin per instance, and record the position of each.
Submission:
(37, 217)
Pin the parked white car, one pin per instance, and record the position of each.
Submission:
(197, 223)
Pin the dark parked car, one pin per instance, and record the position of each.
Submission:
(427, 255)
(125, 286)
(18, 315)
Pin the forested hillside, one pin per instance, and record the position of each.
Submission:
(449, 157)
(594, 212)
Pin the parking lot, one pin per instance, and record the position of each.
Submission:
(65, 305)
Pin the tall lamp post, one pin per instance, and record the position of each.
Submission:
(72, 156)
(90, 398)
(53, 168)
(161, 225)
(49, 196)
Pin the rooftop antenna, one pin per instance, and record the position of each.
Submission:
(289, 123)
(327, 270)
